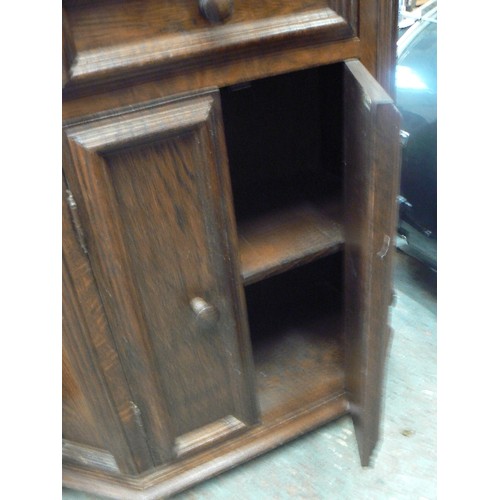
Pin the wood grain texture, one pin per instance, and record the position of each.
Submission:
(78, 419)
(126, 38)
(68, 49)
(116, 287)
(96, 400)
(348, 9)
(378, 36)
(148, 170)
(148, 179)
(87, 456)
(367, 33)
(371, 173)
(169, 480)
(108, 38)
(106, 23)
(208, 435)
(279, 241)
(299, 366)
(215, 72)
(387, 45)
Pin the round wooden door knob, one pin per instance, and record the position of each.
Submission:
(216, 11)
(206, 314)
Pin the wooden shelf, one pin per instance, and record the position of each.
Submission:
(298, 366)
(286, 238)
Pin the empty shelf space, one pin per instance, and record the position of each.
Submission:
(297, 337)
(286, 238)
(284, 145)
(298, 366)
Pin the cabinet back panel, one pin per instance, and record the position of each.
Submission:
(283, 139)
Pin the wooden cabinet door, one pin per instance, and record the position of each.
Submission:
(371, 173)
(152, 190)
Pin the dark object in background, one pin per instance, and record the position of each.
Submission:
(416, 99)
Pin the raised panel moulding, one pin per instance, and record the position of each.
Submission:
(133, 58)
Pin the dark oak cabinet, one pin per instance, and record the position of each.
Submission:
(152, 185)
(229, 203)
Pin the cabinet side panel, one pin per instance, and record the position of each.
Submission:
(86, 334)
(371, 156)
(68, 49)
(78, 419)
(378, 35)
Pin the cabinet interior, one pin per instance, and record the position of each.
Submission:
(284, 144)
(296, 332)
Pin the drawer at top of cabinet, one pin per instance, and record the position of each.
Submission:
(117, 37)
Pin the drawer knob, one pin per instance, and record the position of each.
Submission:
(206, 314)
(216, 11)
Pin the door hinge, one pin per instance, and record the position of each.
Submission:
(77, 225)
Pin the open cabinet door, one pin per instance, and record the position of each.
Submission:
(371, 162)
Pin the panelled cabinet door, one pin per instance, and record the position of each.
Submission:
(371, 162)
(152, 189)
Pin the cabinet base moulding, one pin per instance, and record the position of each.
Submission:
(174, 478)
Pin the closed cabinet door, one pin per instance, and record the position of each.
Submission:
(152, 191)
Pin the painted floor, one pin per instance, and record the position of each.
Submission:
(324, 464)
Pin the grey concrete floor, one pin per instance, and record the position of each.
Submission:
(324, 464)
